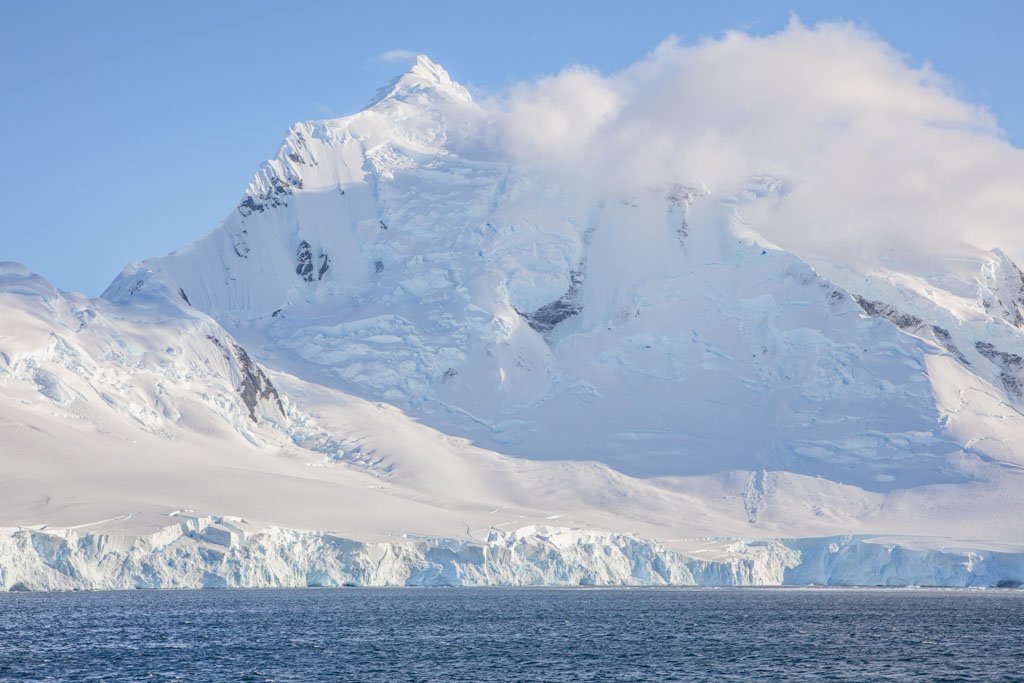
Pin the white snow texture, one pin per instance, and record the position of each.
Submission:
(408, 358)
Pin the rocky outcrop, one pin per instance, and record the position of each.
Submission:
(1011, 367)
(880, 309)
(545, 318)
(275, 196)
(308, 268)
(255, 388)
(241, 245)
(912, 324)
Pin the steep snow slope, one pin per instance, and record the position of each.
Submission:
(389, 254)
(393, 311)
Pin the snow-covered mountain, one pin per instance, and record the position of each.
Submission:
(399, 332)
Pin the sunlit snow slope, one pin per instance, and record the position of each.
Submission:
(423, 308)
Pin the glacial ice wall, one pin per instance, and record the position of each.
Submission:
(212, 552)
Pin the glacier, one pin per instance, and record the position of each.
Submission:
(411, 360)
(212, 552)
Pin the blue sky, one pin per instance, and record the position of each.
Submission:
(131, 128)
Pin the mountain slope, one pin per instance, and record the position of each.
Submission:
(399, 334)
(388, 256)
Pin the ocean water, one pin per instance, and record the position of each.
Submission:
(466, 634)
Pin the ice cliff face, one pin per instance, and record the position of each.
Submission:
(204, 552)
(218, 553)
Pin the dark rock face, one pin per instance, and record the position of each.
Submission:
(912, 324)
(300, 143)
(181, 293)
(545, 318)
(276, 196)
(255, 386)
(945, 341)
(880, 309)
(304, 266)
(1011, 367)
(304, 261)
(325, 264)
(241, 244)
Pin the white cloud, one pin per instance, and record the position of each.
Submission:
(875, 150)
(397, 56)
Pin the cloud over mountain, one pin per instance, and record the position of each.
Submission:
(870, 147)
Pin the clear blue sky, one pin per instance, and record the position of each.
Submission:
(131, 128)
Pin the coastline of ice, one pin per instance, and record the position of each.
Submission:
(214, 552)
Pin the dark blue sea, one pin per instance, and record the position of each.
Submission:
(465, 634)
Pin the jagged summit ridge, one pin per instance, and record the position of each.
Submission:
(329, 179)
(423, 78)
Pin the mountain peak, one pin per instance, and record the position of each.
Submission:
(424, 78)
(423, 67)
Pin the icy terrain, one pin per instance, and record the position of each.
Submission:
(203, 552)
(406, 359)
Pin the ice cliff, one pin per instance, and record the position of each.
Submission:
(205, 552)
